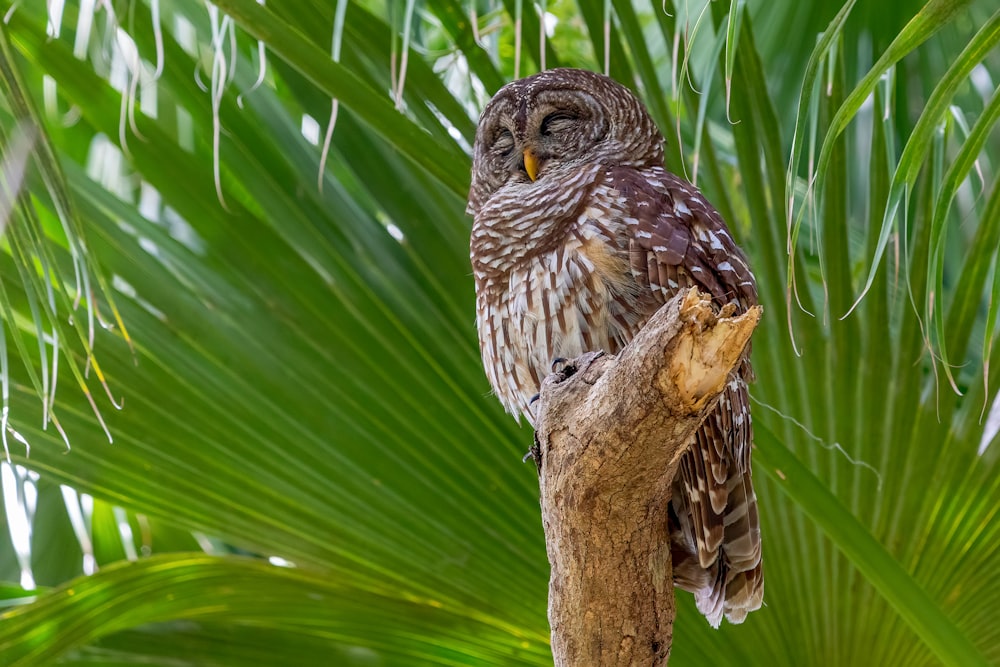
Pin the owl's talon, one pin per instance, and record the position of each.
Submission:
(567, 371)
(572, 367)
(534, 398)
(535, 453)
(555, 362)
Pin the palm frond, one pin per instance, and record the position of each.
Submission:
(301, 379)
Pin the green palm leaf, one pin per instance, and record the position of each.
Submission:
(300, 376)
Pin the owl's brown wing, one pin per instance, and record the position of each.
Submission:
(677, 240)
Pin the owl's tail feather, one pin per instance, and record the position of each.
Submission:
(714, 527)
(740, 553)
(725, 588)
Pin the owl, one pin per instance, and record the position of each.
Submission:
(580, 234)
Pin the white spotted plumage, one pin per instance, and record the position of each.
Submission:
(577, 257)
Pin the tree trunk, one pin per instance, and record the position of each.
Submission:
(610, 433)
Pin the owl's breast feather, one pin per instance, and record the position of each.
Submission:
(575, 298)
(522, 220)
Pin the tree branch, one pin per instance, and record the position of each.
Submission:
(611, 432)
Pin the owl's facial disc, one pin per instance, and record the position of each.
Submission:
(558, 128)
(536, 132)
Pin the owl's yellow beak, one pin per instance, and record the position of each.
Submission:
(530, 164)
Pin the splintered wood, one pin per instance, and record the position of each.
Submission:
(611, 431)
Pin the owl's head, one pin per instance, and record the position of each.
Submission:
(546, 126)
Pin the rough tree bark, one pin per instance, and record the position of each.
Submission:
(610, 433)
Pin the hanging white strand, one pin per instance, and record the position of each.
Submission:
(219, 79)
(404, 55)
(337, 42)
(517, 39)
(607, 37)
(154, 10)
(542, 12)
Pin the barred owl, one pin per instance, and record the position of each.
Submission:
(580, 234)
